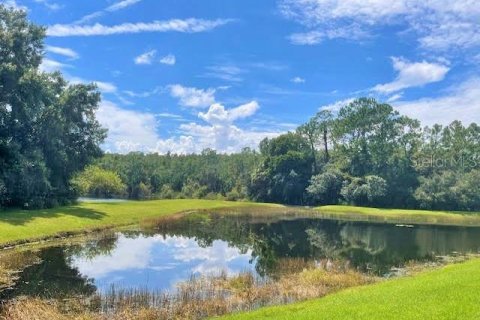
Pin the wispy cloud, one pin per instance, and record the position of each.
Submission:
(114, 7)
(66, 52)
(439, 25)
(50, 65)
(145, 58)
(50, 5)
(191, 25)
(413, 74)
(298, 80)
(227, 72)
(169, 59)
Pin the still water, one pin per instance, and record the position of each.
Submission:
(160, 257)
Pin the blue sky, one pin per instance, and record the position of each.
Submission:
(183, 75)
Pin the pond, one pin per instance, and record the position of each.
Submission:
(157, 258)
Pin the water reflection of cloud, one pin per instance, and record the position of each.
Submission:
(161, 261)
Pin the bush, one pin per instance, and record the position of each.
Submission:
(167, 192)
(325, 188)
(369, 190)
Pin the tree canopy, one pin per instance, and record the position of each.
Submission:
(48, 130)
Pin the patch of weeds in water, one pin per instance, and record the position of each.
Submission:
(199, 297)
(12, 263)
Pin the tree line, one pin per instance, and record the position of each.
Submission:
(364, 154)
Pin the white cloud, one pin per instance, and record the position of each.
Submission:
(437, 24)
(298, 80)
(106, 87)
(121, 5)
(217, 114)
(225, 72)
(66, 52)
(413, 74)
(49, 5)
(193, 97)
(128, 130)
(169, 59)
(114, 7)
(460, 102)
(336, 106)
(191, 25)
(49, 65)
(131, 130)
(146, 58)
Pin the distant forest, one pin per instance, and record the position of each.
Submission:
(363, 154)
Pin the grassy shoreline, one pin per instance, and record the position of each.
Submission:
(450, 292)
(400, 216)
(22, 226)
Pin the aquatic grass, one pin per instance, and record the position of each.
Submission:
(197, 298)
(12, 263)
(17, 226)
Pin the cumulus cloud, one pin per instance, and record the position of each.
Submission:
(459, 102)
(169, 59)
(131, 130)
(193, 97)
(413, 74)
(145, 58)
(191, 25)
(437, 24)
(217, 114)
(66, 52)
(128, 130)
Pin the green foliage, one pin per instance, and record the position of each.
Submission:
(449, 190)
(48, 130)
(325, 188)
(369, 190)
(99, 183)
(285, 170)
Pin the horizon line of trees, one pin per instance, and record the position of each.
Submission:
(365, 154)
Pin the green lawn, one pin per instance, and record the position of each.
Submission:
(451, 292)
(19, 225)
(401, 216)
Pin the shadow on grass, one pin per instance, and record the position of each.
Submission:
(21, 217)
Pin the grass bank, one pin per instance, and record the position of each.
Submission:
(455, 218)
(450, 292)
(24, 225)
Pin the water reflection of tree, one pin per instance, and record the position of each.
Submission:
(52, 278)
(369, 247)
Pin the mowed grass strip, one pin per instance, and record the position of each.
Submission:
(453, 218)
(447, 293)
(21, 225)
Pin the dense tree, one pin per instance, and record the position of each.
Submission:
(285, 170)
(48, 129)
(325, 188)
